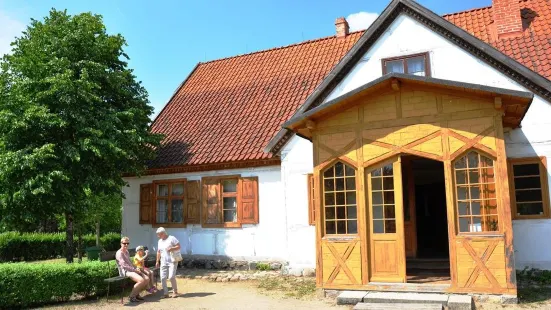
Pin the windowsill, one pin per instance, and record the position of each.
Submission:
(169, 225)
(466, 235)
(224, 225)
(341, 238)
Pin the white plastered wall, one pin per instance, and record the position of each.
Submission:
(447, 61)
(267, 240)
(296, 163)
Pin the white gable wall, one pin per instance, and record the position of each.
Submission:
(267, 240)
(406, 36)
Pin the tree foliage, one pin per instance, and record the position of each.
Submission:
(73, 118)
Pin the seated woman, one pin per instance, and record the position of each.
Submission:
(126, 267)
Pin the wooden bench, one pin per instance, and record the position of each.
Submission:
(108, 257)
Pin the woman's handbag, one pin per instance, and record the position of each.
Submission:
(176, 256)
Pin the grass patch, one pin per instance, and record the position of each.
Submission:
(534, 295)
(263, 266)
(534, 277)
(290, 286)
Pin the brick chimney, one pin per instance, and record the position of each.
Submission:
(342, 27)
(507, 19)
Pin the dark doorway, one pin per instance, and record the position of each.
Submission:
(431, 262)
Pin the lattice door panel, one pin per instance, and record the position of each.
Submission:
(481, 264)
(341, 263)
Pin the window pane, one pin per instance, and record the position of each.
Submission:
(461, 163)
(388, 183)
(229, 186)
(390, 226)
(339, 170)
(377, 172)
(475, 207)
(230, 216)
(461, 177)
(475, 192)
(177, 189)
(341, 227)
(351, 212)
(230, 203)
(350, 184)
(464, 208)
(377, 184)
(476, 226)
(389, 197)
(330, 199)
(530, 208)
(464, 224)
(162, 190)
(330, 213)
(528, 195)
(329, 185)
(341, 215)
(472, 159)
(490, 206)
(340, 184)
(353, 227)
(378, 212)
(377, 198)
(330, 227)
(462, 193)
(390, 212)
(395, 66)
(329, 173)
(416, 65)
(162, 211)
(473, 176)
(378, 227)
(177, 211)
(530, 182)
(340, 199)
(388, 170)
(526, 169)
(491, 223)
(351, 198)
(350, 172)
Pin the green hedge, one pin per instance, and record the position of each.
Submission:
(33, 284)
(38, 246)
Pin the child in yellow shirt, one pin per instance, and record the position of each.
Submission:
(139, 263)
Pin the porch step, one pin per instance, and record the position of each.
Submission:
(394, 306)
(411, 300)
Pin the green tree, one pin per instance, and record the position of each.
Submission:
(73, 119)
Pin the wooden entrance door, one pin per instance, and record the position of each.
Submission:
(386, 219)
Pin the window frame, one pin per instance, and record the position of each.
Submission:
(323, 219)
(542, 163)
(169, 198)
(499, 231)
(404, 58)
(235, 194)
(311, 199)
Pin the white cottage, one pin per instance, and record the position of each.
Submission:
(368, 155)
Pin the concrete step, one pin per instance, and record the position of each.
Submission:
(453, 302)
(394, 306)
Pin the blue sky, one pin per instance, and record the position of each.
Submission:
(166, 39)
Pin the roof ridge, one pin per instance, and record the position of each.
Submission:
(277, 48)
(468, 11)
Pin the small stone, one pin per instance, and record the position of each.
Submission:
(243, 278)
(208, 265)
(309, 272)
(275, 266)
(225, 280)
(197, 277)
(206, 277)
(217, 264)
(232, 264)
(252, 266)
(235, 278)
(297, 272)
(219, 279)
(188, 276)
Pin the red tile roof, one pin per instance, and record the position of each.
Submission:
(228, 109)
(532, 48)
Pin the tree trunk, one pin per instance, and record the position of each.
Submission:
(69, 238)
(97, 233)
(79, 245)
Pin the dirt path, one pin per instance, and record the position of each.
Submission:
(201, 294)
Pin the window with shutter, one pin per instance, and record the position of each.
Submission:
(230, 201)
(145, 203)
(193, 207)
(169, 203)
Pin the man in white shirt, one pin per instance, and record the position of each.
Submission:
(168, 268)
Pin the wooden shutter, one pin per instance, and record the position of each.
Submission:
(248, 200)
(311, 201)
(146, 191)
(212, 212)
(193, 201)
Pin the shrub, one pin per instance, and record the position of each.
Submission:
(25, 285)
(38, 246)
